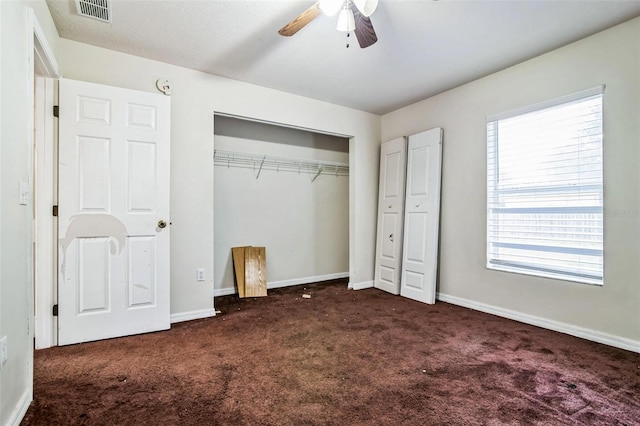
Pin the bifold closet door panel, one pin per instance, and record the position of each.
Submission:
(390, 215)
(421, 216)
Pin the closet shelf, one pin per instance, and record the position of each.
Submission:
(258, 163)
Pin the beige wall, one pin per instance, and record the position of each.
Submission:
(16, 153)
(612, 58)
(304, 225)
(195, 97)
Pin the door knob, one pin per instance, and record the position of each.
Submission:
(162, 224)
(391, 237)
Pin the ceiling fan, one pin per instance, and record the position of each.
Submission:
(353, 15)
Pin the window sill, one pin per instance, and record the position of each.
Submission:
(545, 274)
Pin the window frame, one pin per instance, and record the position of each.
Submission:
(492, 262)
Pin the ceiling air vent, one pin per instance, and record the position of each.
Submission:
(95, 9)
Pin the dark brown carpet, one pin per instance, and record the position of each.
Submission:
(340, 358)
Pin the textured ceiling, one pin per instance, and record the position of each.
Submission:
(424, 48)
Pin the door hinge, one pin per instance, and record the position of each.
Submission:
(54, 211)
(56, 111)
(55, 310)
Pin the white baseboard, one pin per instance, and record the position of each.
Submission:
(192, 315)
(361, 286)
(286, 283)
(307, 280)
(21, 408)
(584, 333)
(224, 292)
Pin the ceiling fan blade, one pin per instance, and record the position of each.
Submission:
(300, 21)
(365, 33)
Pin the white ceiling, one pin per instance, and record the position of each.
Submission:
(424, 48)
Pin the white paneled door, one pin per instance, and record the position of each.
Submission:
(113, 212)
(422, 216)
(393, 155)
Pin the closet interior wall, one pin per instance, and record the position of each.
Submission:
(301, 219)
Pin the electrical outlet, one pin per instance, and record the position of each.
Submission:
(4, 351)
(200, 274)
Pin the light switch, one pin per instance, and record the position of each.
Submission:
(4, 351)
(25, 193)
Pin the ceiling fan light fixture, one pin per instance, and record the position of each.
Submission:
(350, 19)
(330, 7)
(346, 21)
(366, 7)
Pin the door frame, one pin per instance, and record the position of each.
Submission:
(352, 181)
(41, 133)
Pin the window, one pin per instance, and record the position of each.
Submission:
(544, 197)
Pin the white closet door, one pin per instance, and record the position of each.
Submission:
(390, 215)
(422, 213)
(113, 212)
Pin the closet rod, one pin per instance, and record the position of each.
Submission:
(258, 163)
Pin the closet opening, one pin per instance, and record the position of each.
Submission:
(285, 189)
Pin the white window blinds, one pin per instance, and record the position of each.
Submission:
(544, 169)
